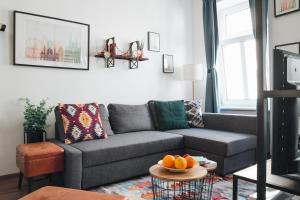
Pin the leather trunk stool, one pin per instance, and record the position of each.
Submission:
(37, 159)
(59, 193)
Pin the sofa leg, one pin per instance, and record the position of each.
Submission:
(29, 180)
(20, 180)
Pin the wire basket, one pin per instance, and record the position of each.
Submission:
(177, 190)
(199, 189)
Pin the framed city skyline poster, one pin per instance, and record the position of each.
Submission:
(284, 7)
(42, 41)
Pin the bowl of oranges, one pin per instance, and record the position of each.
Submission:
(177, 163)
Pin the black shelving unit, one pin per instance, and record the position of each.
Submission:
(261, 24)
(262, 103)
(281, 94)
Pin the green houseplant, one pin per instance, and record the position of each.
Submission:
(35, 120)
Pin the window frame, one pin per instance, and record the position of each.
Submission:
(224, 39)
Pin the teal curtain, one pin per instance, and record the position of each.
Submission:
(211, 39)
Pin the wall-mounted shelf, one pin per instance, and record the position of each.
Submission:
(120, 57)
(134, 56)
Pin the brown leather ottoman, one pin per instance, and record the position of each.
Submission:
(59, 193)
(37, 159)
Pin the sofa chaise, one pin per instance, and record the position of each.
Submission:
(136, 145)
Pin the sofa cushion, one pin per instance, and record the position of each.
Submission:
(230, 122)
(130, 118)
(125, 146)
(59, 128)
(222, 143)
(81, 122)
(151, 105)
(171, 115)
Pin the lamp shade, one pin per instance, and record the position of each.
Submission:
(193, 72)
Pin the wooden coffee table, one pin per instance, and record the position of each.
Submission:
(169, 185)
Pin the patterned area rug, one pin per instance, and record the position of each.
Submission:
(140, 189)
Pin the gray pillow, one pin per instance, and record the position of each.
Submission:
(59, 128)
(153, 113)
(105, 120)
(129, 118)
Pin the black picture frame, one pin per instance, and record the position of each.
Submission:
(164, 58)
(2, 27)
(283, 14)
(149, 41)
(289, 44)
(15, 12)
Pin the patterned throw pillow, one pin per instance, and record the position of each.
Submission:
(81, 122)
(194, 113)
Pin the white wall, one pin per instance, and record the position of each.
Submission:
(199, 48)
(126, 20)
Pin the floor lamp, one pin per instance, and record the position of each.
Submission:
(193, 72)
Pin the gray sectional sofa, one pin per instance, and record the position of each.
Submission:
(136, 145)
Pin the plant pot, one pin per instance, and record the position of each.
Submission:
(35, 137)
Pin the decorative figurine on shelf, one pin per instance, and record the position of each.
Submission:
(110, 52)
(141, 50)
(134, 48)
(35, 121)
(112, 49)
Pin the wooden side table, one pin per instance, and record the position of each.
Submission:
(168, 185)
(37, 159)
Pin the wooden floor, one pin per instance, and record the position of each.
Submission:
(9, 189)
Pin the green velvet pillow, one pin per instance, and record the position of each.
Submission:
(170, 115)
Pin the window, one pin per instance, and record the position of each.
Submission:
(237, 55)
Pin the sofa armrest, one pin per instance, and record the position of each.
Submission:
(230, 122)
(73, 165)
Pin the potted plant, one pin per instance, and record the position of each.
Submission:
(35, 120)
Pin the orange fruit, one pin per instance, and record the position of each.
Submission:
(185, 155)
(168, 161)
(180, 163)
(190, 161)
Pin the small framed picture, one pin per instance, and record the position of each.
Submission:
(168, 63)
(290, 47)
(284, 7)
(153, 41)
